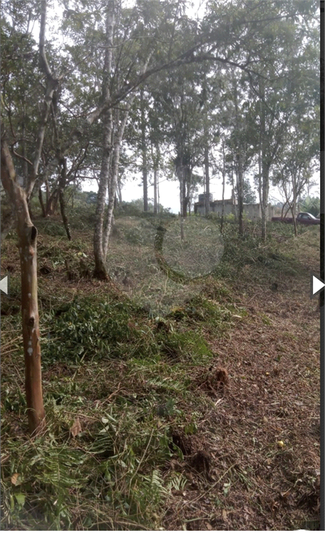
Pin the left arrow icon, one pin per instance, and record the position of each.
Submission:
(4, 285)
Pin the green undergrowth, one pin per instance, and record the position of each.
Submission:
(126, 380)
(104, 330)
(107, 476)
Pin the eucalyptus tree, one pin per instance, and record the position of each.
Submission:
(138, 135)
(297, 163)
(177, 101)
(299, 155)
(267, 37)
(234, 119)
(286, 88)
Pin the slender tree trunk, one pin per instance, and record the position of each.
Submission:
(265, 168)
(100, 271)
(235, 211)
(114, 173)
(181, 173)
(27, 238)
(155, 193)
(40, 197)
(294, 202)
(155, 156)
(240, 193)
(239, 164)
(52, 202)
(265, 196)
(144, 153)
(23, 151)
(207, 174)
(119, 192)
(47, 190)
(183, 194)
(188, 186)
(223, 185)
(62, 184)
(260, 176)
(111, 195)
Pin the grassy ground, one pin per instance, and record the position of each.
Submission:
(170, 405)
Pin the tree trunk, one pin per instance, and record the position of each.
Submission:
(265, 196)
(100, 271)
(144, 153)
(27, 238)
(64, 214)
(240, 193)
(113, 176)
(155, 193)
(155, 156)
(40, 197)
(111, 196)
(223, 185)
(181, 170)
(52, 202)
(260, 175)
(265, 169)
(119, 192)
(207, 177)
(294, 202)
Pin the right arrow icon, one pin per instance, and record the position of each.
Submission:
(317, 285)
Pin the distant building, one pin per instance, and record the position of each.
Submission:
(251, 211)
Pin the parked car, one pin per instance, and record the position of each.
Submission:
(303, 218)
(307, 219)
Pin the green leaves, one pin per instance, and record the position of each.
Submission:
(86, 330)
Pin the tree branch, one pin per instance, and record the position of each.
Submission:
(22, 158)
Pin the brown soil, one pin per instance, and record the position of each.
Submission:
(261, 433)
